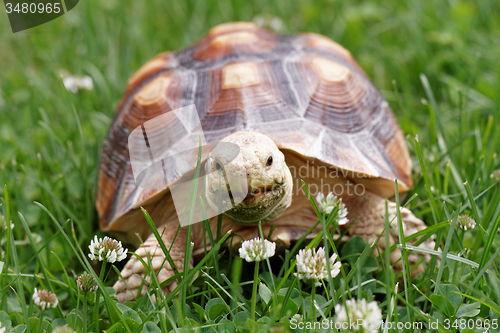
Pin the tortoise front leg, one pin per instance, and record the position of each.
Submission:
(134, 272)
(368, 213)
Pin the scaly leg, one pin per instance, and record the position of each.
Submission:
(134, 271)
(369, 212)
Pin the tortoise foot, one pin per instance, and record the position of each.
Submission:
(370, 211)
(137, 278)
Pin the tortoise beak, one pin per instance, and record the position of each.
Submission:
(261, 191)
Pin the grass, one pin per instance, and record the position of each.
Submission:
(435, 62)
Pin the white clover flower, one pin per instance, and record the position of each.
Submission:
(4, 226)
(297, 318)
(464, 253)
(2, 329)
(360, 316)
(326, 205)
(311, 264)
(276, 23)
(259, 20)
(465, 221)
(268, 22)
(496, 175)
(74, 83)
(107, 250)
(45, 299)
(36, 238)
(257, 250)
(87, 283)
(63, 329)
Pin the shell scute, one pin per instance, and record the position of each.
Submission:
(231, 38)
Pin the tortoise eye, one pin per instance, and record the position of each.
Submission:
(218, 167)
(269, 161)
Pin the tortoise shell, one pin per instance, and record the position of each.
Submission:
(305, 92)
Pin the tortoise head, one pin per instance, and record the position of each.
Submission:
(255, 177)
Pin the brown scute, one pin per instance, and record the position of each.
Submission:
(241, 37)
(160, 62)
(231, 27)
(311, 41)
(331, 71)
(229, 107)
(150, 101)
(245, 97)
(154, 98)
(347, 103)
(305, 92)
(240, 75)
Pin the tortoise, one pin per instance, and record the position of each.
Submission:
(298, 107)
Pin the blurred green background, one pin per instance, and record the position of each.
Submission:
(49, 153)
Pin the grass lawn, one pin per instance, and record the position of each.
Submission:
(435, 62)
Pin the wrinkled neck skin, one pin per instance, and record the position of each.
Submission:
(251, 185)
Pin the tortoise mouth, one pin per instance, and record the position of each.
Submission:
(258, 205)
(261, 193)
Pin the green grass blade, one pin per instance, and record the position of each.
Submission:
(404, 255)
(489, 242)
(160, 242)
(446, 249)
